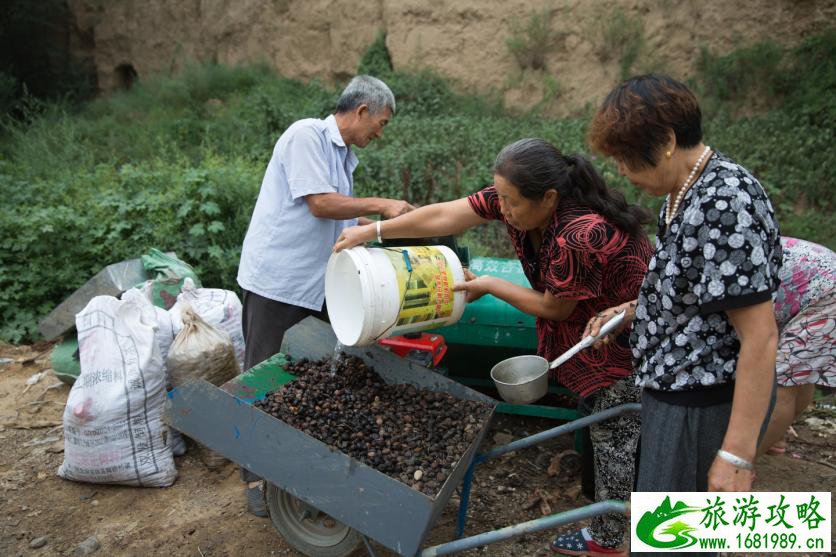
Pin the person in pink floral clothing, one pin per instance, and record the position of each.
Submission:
(805, 309)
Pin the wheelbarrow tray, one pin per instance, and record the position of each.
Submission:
(378, 506)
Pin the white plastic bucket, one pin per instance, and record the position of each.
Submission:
(373, 293)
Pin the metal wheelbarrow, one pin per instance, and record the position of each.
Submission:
(323, 502)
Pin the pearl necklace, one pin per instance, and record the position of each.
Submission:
(670, 210)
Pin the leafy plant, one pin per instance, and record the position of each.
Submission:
(766, 74)
(376, 60)
(746, 72)
(622, 39)
(552, 91)
(811, 79)
(58, 234)
(531, 40)
(787, 142)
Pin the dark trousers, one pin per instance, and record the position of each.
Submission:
(679, 444)
(614, 443)
(585, 408)
(264, 323)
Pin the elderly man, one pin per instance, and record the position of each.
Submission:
(306, 199)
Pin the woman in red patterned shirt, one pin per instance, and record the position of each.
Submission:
(583, 250)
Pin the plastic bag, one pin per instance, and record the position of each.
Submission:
(169, 274)
(201, 351)
(217, 307)
(113, 429)
(205, 352)
(164, 334)
(164, 337)
(167, 267)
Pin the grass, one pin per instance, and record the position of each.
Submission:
(531, 39)
(622, 39)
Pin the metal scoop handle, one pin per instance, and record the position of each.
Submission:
(590, 340)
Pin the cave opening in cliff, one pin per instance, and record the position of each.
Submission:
(126, 74)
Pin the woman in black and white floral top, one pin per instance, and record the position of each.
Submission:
(704, 336)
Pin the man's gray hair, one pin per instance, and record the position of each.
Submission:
(368, 90)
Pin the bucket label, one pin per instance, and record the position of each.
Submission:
(426, 290)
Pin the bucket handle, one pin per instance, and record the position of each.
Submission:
(406, 260)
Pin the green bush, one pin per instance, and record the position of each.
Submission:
(55, 234)
(792, 159)
(208, 108)
(622, 39)
(788, 141)
(810, 80)
(746, 73)
(531, 40)
(376, 60)
(800, 80)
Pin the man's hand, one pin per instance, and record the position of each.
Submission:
(337, 206)
(598, 321)
(394, 208)
(354, 236)
(725, 476)
(475, 287)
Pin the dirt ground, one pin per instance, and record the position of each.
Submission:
(203, 513)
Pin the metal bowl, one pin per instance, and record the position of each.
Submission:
(522, 379)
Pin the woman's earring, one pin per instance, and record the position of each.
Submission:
(667, 154)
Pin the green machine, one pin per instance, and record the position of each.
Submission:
(490, 321)
(491, 330)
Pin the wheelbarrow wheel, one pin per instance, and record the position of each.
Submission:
(307, 529)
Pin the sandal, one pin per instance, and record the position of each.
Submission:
(580, 542)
